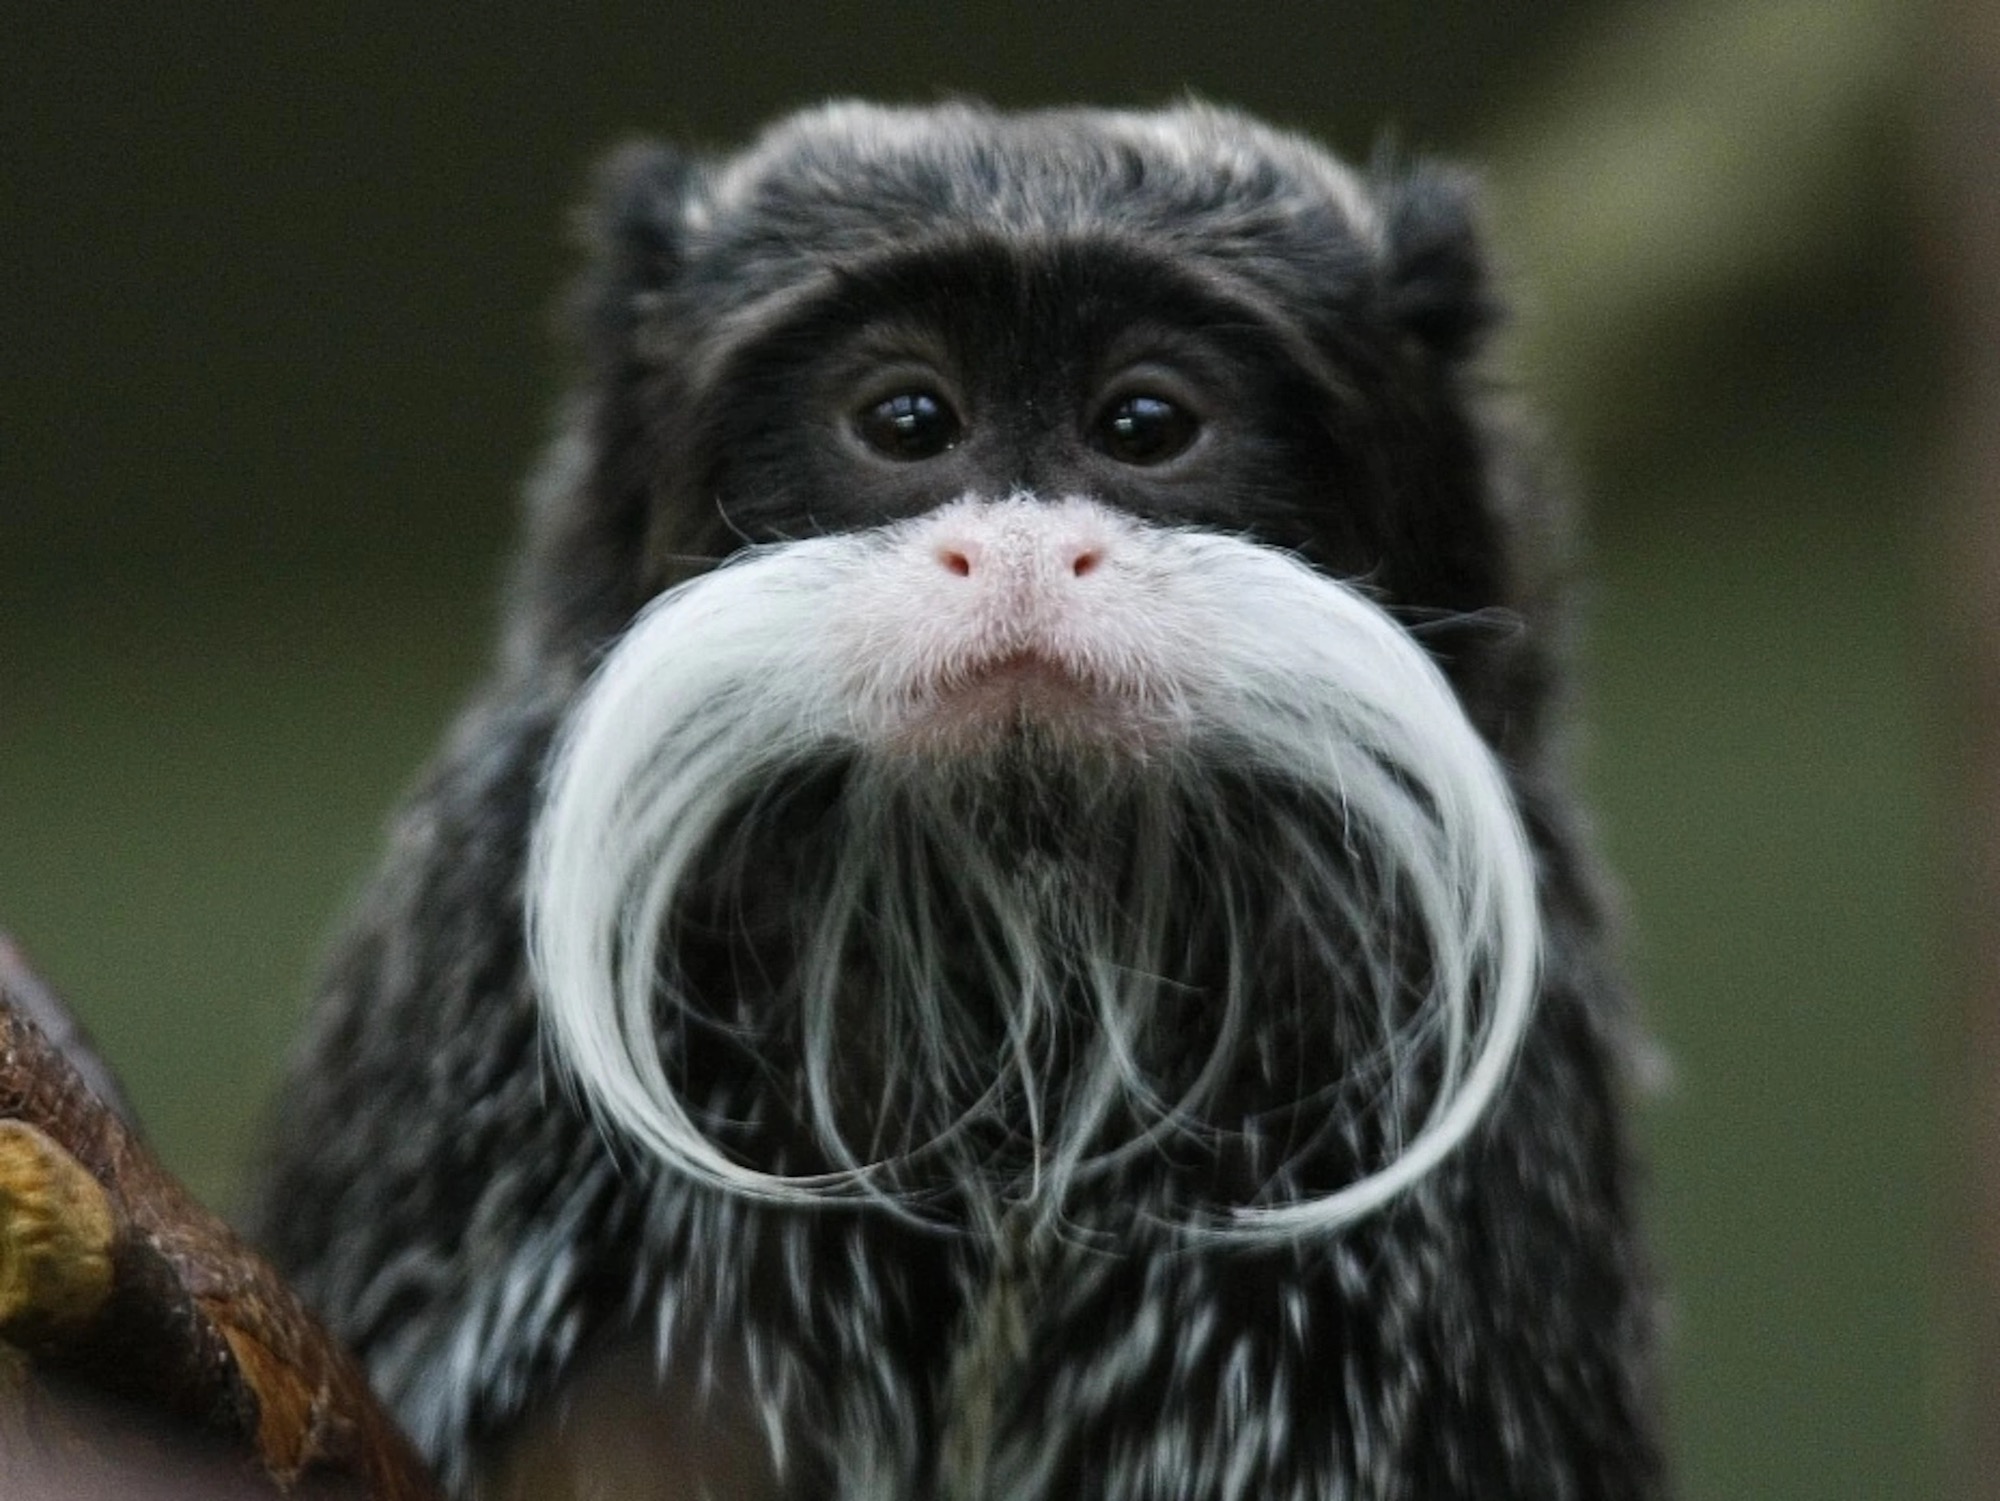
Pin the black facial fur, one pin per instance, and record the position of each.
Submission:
(751, 332)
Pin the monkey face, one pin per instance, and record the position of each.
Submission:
(1089, 373)
(1045, 755)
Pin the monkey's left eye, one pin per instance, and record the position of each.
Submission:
(1145, 429)
(909, 426)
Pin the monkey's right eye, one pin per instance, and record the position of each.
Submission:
(909, 426)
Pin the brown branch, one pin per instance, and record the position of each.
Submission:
(115, 1282)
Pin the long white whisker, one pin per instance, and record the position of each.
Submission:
(988, 1002)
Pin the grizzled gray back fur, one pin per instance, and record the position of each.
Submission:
(443, 1192)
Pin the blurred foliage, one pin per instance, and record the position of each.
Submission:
(272, 361)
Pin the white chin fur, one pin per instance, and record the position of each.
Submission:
(923, 654)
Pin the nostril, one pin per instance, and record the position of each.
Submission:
(1016, 548)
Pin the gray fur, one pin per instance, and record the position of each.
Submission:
(438, 1191)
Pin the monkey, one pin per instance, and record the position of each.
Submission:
(1012, 919)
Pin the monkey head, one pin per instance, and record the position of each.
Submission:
(1052, 636)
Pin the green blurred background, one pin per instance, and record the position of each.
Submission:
(274, 361)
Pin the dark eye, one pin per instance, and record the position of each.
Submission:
(1145, 430)
(909, 426)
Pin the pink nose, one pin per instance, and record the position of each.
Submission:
(1020, 550)
(995, 615)
(965, 558)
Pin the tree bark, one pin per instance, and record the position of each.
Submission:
(145, 1349)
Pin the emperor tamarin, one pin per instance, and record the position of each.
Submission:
(1010, 923)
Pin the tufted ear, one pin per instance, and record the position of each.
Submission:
(580, 575)
(632, 232)
(1435, 272)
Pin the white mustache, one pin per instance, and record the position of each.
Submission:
(1143, 666)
